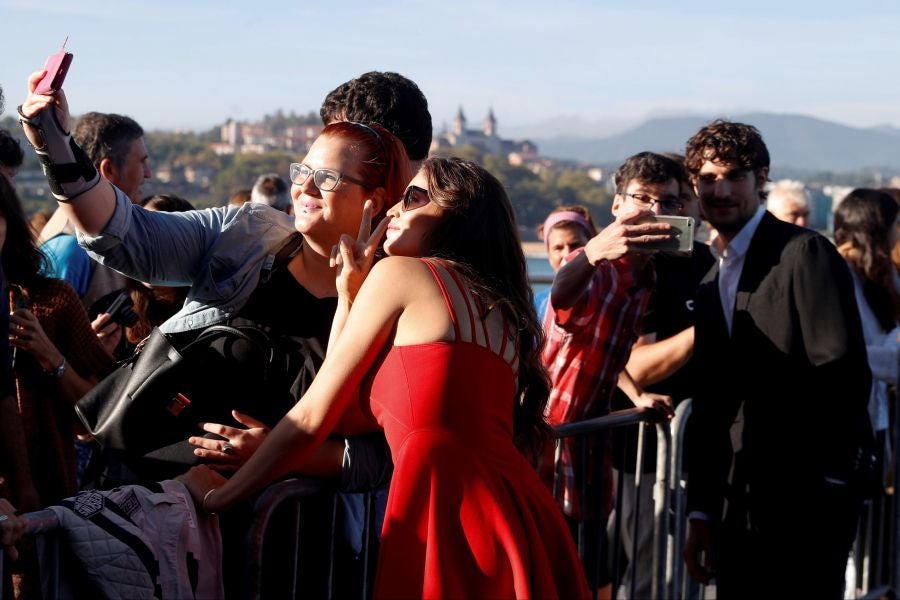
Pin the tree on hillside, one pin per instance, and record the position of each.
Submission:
(244, 170)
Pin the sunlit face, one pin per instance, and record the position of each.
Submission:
(729, 195)
(647, 196)
(322, 217)
(135, 169)
(407, 230)
(562, 241)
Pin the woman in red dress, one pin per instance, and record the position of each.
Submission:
(442, 345)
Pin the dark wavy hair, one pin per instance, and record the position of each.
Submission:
(478, 232)
(166, 203)
(389, 99)
(648, 167)
(383, 160)
(23, 263)
(864, 219)
(727, 141)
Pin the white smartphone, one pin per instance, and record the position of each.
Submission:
(682, 240)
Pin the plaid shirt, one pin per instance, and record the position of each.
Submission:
(586, 348)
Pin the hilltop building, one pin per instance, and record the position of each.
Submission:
(256, 138)
(486, 139)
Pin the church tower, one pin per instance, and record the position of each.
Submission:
(459, 123)
(490, 124)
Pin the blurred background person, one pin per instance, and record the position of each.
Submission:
(11, 156)
(57, 358)
(115, 144)
(865, 231)
(789, 201)
(154, 304)
(565, 230)
(240, 197)
(273, 190)
(895, 251)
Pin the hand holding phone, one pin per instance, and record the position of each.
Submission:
(120, 310)
(57, 66)
(682, 232)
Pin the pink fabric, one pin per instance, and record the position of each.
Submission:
(559, 217)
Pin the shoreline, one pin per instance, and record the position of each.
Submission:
(534, 249)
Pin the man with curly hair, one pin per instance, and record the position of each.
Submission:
(780, 420)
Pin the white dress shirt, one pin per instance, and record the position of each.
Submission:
(731, 263)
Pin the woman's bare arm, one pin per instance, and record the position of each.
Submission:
(380, 303)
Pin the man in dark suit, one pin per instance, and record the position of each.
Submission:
(780, 417)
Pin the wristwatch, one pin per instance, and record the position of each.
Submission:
(60, 370)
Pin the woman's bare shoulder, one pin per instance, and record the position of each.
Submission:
(400, 266)
(401, 277)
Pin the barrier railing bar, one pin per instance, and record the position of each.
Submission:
(269, 500)
(617, 418)
(661, 511)
(638, 470)
(675, 566)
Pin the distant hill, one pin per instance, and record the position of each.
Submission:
(794, 141)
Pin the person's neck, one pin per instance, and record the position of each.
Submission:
(311, 270)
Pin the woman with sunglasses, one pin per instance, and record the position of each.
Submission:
(443, 340)
(220, 252)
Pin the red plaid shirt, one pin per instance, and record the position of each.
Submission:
(586, 348)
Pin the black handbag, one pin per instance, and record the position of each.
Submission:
(146, 409)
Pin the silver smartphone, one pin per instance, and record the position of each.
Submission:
(682, 240)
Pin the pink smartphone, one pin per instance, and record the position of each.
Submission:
(57, 66)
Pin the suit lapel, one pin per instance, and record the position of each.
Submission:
(757, 263)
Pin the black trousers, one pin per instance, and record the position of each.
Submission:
(797, 549)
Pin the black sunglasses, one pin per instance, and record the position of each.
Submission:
(414, 197)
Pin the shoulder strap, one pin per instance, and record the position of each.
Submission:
(288, 250)
(447, 299)
(465, 293)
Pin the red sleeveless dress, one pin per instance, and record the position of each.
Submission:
(467, 516)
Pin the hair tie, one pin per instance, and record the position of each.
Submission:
(565, 215)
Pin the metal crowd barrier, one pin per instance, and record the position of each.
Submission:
(667, 570)
(280, 511)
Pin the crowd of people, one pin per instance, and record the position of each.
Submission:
(438, 372)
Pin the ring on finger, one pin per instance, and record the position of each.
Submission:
(4, 518)
(227, 448)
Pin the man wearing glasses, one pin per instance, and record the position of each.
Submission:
(596, 304)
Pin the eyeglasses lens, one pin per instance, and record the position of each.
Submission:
(326, 179)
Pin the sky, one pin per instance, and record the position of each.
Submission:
(586, 66)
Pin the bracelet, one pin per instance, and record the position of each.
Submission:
(205, 498)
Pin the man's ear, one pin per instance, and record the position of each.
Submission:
(616, 205)
(108, 169)
(762, 176)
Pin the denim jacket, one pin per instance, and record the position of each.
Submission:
(218, 252)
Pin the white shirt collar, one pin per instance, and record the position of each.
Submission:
(740, 243)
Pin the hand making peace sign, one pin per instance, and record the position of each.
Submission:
(354, 258)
